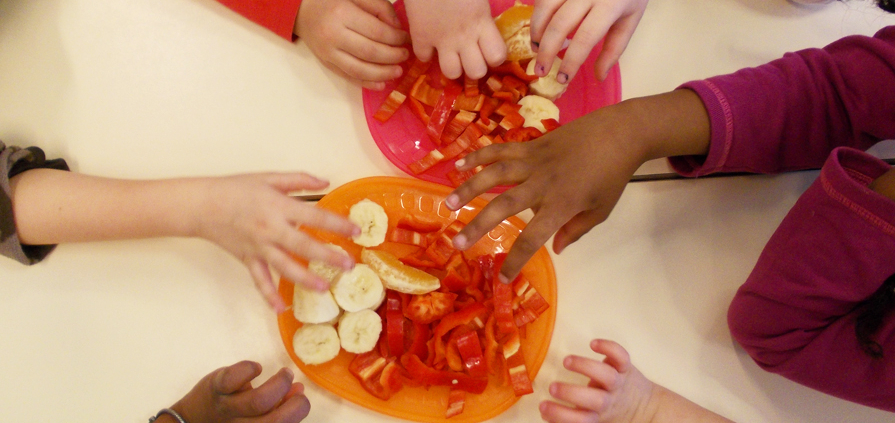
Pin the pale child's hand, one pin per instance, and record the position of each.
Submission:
(361, 40)
(253, 218)
(226, 395)
(553, 21)
(616, 392)
(462, 31)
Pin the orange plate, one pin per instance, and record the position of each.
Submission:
(400, 196)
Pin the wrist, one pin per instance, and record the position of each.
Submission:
(671, 124)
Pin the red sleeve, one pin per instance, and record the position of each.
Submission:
(276, 15)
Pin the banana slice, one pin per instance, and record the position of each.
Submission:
(534, 108)
(359, 331)
(547, 86)
(399, 276)
(316, 344)
(311, 306)
(358, 289)
(327, 272)
(372, 220)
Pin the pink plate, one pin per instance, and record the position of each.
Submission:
(403, 138)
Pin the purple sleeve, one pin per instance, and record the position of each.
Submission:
(14, 160)
(790, 113)
(795, 315)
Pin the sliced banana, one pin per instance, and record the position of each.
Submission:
(399, 276)
(372, 220)
(316, 344)
(359, 331)
(547, 86)
(328, 272)
(310, 306)
(358, 289)
(534, 108)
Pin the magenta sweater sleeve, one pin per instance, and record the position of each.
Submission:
(791, 113)
(276, 15)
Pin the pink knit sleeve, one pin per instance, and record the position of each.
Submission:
(790, 113)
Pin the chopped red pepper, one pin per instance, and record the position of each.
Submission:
(429, 376)
(366, 368)
(442, 111)
(424, 92)
(394, 319)
(470, 86)
(416, 338)
(513, 67)
(431, 158)
(417, 108)
(388, 107)
(456, 127)
(407, 236)
(419, 223)
(471, 351)
(550, 124)
(456, 403)
(474, 314)
(516, 368)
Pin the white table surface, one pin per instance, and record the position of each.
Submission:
(114, 331)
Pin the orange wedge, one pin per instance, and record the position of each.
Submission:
(399, 276)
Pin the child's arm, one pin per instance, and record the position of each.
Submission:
(226, 395)
(250, 216)
(617, 392)
(462, 31)
(553, 21)
(604, 148)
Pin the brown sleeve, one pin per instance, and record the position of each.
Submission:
(15, 160)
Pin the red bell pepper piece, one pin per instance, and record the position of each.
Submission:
(516, 368)
(514, 68)
(366, 368)
(506, 108)
(550, 124)
(416, 338)
(458, 273)
(456, 126)
(429, 376)
(456, 403)
(442, 110)
(417, 108)
(470, 86)
(394, 323)
(431, 158)
(473, 315)
(389, 106)
(471, 351)
(487, 109)
(510, 121)
(424, 92)
(470, 103)
(419, 260)
(502, 294)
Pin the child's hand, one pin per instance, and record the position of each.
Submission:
(617, 391)
(571, 178)
(462, 31)
(553, 21)
(227, 395)
(253, 218)
(359, 39)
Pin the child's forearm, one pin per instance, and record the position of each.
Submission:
(670, 407)
(675, 123)
(52, 207)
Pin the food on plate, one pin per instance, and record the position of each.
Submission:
(514, 25)
(464, 115)
(316, 344)
(547, 86)
(326, 271)
(358, 289)
(535, 109)
(372, 220)
(359, 330)
(398, 276)
(310, 306)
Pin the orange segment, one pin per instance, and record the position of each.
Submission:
(513, 19)
(399, 276)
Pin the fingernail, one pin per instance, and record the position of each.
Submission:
(453, 202)
(553, 389)
(289, 373)
(503, 279)
(562, 78)
(320, 285)
(347, 263)
(460, 241)
(459, 163)
(540, 70)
